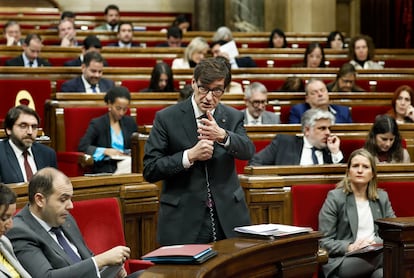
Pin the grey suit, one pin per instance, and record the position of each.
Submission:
(184, 193)
(268, 118)
(41, 255)
(338, 221)
(6, 250)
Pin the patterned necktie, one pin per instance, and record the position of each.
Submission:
(65, 245)
(314, 158)
(27, 168)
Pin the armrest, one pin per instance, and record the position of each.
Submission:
(74, 163)
(322, 256)
(133, 265)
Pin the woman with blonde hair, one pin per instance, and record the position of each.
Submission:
(195, 52)
(347, 221)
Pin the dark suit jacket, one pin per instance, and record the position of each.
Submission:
(245, 62)
(284, 150)
(76, 85)
(19, 62)
(41, 255)
(116, 44)
(98, 134)
(338, 222)
(10, 171)
(184, 192)
(77, 63)
(341, 113)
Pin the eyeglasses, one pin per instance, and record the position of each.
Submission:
(217, 92)
(25, 126)
(257, 103)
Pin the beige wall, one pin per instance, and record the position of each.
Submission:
(185, 6)
(311, 15)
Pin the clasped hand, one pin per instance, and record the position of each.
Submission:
(333, 142)
(360, 243)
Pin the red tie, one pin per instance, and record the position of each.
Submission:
(27, 168)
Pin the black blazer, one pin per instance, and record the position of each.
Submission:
(77, 63)
(98, 134)
(284, 150)
(76, 85)
(245, 62)
(19, 62)
(116, 44)
(10, 171)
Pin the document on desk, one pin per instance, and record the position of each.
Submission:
(271, 230)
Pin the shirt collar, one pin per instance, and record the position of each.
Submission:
(88, 85)
(26, 61)
(17, 151)
(251, 119)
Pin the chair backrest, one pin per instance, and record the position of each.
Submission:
(307, 201)
(76, 121)
(284, 114)
(350, 145)
(100, 223)
(259, 144)
(367, 113)
(146, 114)
(400, 194)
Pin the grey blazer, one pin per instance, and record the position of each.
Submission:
(268, 118)
(6, 250)
(338, 221)
(41, 255)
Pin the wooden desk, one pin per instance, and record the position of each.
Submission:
(138, 199)
(398, 236)
(241, 257)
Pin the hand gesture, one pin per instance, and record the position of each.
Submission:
(333, 144)
(115, 256)
(410, 112)
(210, 130)
(202, 151)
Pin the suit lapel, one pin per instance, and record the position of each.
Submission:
(6, 251)
(352, 213)
(14, 164)
(221, 117)
(189, 122)
(70, 232)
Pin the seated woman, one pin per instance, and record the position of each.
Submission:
(195, 51)
(361, 53)
(162, 79)
(403, 105)
(384, 141)
(277, 39)
(108, 138)
(335, 40)
(345, 80)
(314, 56)
(9, 265)
(347, 217)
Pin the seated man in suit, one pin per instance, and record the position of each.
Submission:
(317, 96)
(317, 146)
(91, 80)
(236, 62)
(20, 155)
(30, 57)
(67, 33)
(174, 37)
(46, 238)
(112, 17)
(13, 33)
(125, 35)
(255, 113)
(90, 43)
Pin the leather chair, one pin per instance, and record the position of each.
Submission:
(100, 223)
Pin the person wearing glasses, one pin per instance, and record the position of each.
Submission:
(192, 147)
(255, 113)
(20, 155)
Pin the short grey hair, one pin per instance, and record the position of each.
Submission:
(311, 116)
(223, 33)
(254, 87)
(310, 81)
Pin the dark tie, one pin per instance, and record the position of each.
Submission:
(30, 63)
(27, 168)
(314, 158)
(65, 244)
(93, 87)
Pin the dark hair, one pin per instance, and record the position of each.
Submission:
(219, 42)
(331, 37)
(370, 45)
(396, 95)
(67, 14)
(293, 84)
(117, 92)
(125, 23)
(91, 41)
(31, 37)
(92, 56)
(281, 34)
(111, 7)
(42, 182)
(7, 198)
(181, 18)
(14, 113)
(175, 32)
(309, 50)
(212, 69)
(384, 124)
(10, 23)
(186, 92)
(159, 69)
